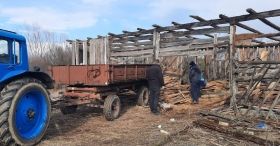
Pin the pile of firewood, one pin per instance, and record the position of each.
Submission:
(175, 93)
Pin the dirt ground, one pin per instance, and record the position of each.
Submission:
(135, 126)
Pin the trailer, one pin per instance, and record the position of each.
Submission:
(99, 85)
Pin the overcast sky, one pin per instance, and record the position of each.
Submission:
(88, 18)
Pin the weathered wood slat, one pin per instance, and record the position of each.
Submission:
(132, 44)
(133, 39)
(186, 53)
(266, 45)
(195, 32)
(130, 48)
(255, 35)
(131, 53)
(195, 43)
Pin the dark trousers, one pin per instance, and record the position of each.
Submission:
(195, 92)
(154, 98)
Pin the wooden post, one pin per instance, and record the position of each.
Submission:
(156, 44)
(85, 53)
(215, 57)
(233, 89)
(205, 67)
(73, 53)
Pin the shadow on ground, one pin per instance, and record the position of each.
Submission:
(62, 124)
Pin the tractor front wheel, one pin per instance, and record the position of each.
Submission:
(24, 112)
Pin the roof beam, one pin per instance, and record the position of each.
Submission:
(224, 17)
(190, 29)
(265, 21)
(231, 20)
(215, 26)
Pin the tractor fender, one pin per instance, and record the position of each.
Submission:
(41, 76)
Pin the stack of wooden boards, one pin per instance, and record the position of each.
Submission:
(175, 93)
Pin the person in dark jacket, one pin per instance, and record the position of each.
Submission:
(155, 81)
(195, 80)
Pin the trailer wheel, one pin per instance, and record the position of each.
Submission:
(143, 96)
(112, 107)
(69, 109)
(24, 112)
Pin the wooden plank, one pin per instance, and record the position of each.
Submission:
(130, 48)
(186, 53)
(131, 53)
(133, 39)
(215, 56)
(247, 36)
(177, 48)
(156, 44)
(176, 39)
(231, 63)
(259, 45)
(132, 44)
(195, 32)
(194, 41)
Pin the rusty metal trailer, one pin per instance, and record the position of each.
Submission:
(100, 85)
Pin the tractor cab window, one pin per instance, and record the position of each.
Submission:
(4, 52)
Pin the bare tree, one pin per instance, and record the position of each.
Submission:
(46, 48)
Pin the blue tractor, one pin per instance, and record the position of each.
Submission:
(24, 102)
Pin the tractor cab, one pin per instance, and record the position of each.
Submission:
(24, 101)
(13, 55)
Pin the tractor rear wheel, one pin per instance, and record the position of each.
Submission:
(24, 112)
(112, 107)
(69, 109)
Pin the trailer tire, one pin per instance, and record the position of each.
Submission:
(69, 109)
(24, 112)
(112, 107)
(143, 96)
